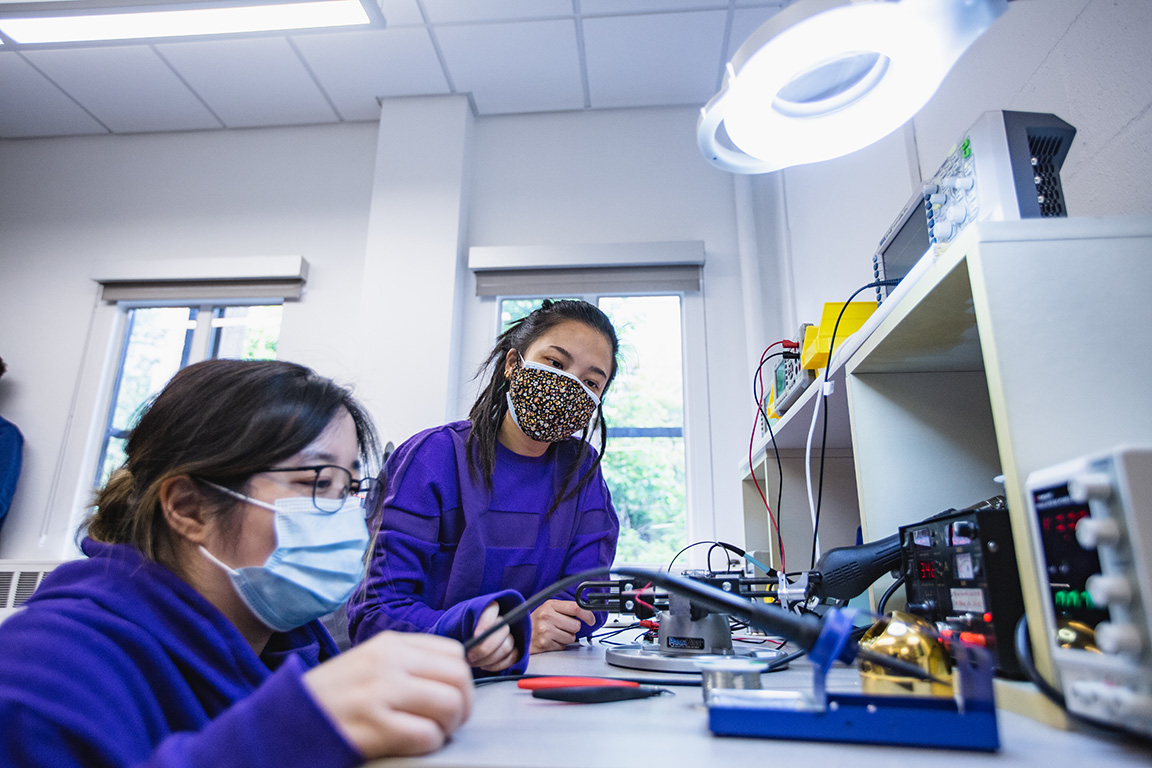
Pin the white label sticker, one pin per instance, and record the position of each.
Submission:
(968, 600)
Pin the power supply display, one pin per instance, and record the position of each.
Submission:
(1089, 520)
(960, 573)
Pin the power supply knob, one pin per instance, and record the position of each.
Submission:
(1109, 590)
(1088, 486)
(959, 182)
(1092, 532)
(1118, 638)
(955, 213)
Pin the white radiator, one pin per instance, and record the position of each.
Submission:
(18, 580)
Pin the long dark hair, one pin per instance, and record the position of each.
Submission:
(488, 411)
(220, 421)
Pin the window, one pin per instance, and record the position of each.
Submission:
(644, 411)
(159, 341)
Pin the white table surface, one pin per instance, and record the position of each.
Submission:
(509, 728)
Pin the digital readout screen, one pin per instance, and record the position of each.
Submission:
(1067, 564)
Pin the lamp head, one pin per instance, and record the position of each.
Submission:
(824, 78)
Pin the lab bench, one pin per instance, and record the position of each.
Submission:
(509, 729)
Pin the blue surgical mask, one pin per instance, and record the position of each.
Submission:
(315, 568)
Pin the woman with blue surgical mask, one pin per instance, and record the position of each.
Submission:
(190, 632)
(477, 515)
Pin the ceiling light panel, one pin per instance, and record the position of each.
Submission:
(57, 23)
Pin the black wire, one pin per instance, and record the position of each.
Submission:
(775, 449)
(1024, 656)
(803, 629)
(888, 593)
(693, 544)
(728, 561)
(823, 393)
(604, 636)
(1023, 646)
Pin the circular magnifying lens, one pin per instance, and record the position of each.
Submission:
(831, 85)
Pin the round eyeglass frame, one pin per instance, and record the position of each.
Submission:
(328, 504)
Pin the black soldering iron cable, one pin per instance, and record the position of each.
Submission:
(803, 629)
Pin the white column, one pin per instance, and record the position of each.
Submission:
(414, 263)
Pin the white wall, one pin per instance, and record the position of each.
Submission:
(1086, 61)
(68, 204)
(382, 231)
(623, 176)
(628, 175)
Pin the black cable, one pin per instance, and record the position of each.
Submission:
(1024, 655)
(1023, 647)
(775, 449)
(604, 637)
(888, 593)
(823, 393)
(693, 544)
(708, 557)
(803, 629)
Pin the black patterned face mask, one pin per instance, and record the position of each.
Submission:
(548, 404)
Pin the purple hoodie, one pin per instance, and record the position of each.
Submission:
(448, 546)
(116, 661)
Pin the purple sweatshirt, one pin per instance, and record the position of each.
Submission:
(448, 546)
(116, 661)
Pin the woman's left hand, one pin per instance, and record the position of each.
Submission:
(555, 624)
(497, 652)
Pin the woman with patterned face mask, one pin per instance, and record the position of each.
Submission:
(189, 635)
(477, 515)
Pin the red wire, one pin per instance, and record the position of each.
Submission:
(637, 598)
(751, 441)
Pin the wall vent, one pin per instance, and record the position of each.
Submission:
(18, 580)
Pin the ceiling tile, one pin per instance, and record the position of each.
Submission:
(356, 68)
(658, 59)
(250, 82)
(527, 66)
(30, 105)
(401, 12)
(452, 11)
(130, 89)
(745, 21)
(619, 7)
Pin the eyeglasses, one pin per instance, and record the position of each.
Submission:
(330, 485)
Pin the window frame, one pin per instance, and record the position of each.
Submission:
(700, 521)
(201, 343)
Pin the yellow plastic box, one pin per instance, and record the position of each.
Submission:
(818, 337)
